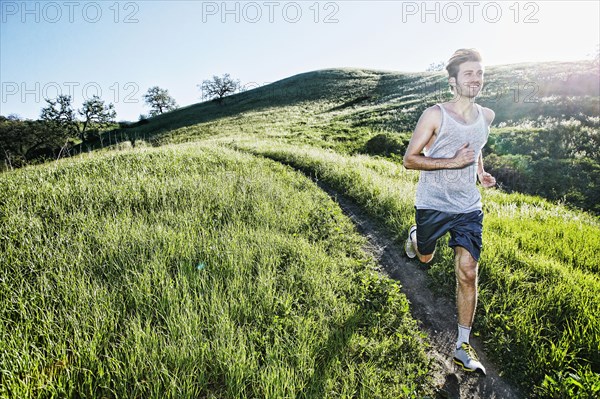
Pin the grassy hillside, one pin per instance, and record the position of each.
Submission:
(539, 280)
(553, 107)
(210, 270)
(193, 271)
(539, 297)
(391, 100)
(544, 141)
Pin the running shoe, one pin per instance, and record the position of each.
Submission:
(408, 246)
(466, 357)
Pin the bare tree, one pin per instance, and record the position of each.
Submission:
(59, 115)
(219, 87)
(159, 101)
(436, 66)
(95, 113)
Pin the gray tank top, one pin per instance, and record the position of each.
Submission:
(453, 190)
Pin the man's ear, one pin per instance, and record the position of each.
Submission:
(452, 81)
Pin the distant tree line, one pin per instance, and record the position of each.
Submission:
(61, 128)
(57, 130)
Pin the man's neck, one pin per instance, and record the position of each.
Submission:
(462, 105)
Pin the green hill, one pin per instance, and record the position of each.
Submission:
(394, 100)
(193, 271)
(539, 280)
(544, 140)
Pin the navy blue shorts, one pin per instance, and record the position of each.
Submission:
(465, 230)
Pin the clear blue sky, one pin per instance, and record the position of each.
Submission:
(119, 49)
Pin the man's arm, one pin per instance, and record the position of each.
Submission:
(486, 179)
(480, 169)
(413, 159)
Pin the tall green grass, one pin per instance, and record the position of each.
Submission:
(539, 278)
(193, 272)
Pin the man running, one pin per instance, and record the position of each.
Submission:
(451, 136)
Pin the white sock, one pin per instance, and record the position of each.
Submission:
(463, 335)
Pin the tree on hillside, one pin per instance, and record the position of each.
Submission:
(60, 116)
(159, 101)
(95, 113)
(24, 140)
(219, 87)
(436, 66)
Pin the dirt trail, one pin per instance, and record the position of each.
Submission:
(436, 315)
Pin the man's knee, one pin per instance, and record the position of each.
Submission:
(466, 266)
(426, 258)
(468, 275)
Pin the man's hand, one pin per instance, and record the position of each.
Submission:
(464, 156)
(487, 180)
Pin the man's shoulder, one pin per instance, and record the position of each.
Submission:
(435, 108)
(432, 113)
(489, 114)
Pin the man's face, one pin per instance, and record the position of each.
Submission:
(469, 80)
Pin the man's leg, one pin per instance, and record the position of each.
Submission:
(422, 238)
(422, 258)
(466, 301)
(466, 286)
